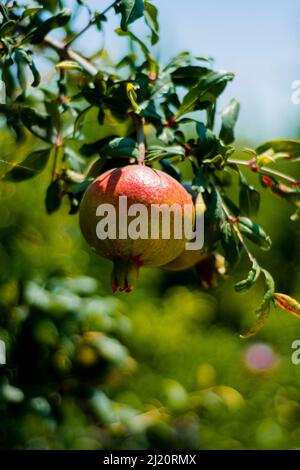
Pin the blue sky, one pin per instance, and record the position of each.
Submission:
(259, 41)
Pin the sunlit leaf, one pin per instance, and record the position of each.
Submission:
(287, 303)
(68, 65)
(204, 91)
(132, 96)
(131, 10)
(151, 14)
(290, 146)
(229, 117)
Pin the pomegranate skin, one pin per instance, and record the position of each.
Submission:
(141, 185)
(186, 260)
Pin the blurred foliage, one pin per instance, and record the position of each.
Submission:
(164, 368)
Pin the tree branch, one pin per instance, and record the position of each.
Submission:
(265, 170)
(68, 53)
(90, 23)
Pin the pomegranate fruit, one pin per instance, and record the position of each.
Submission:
(141, 185)
(186, 260)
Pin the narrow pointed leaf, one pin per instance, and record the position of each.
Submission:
(229, 117)
(131, 10)
(33, 164)
(254, 232)
(204, 91)
(287, 303)
(289, 146)
(253, 276)
(151, 14)
(249, 198)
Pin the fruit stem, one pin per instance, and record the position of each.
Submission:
(139, 122)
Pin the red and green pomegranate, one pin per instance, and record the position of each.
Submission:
(142, 185)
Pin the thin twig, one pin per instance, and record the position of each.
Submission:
(263, 169)
(55, 157)
(90, 23)
(69, 53)
(139, 122)
(140, 137)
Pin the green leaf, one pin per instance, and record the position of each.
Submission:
(171, 170)
(35, 73)
(151, 14)
(189, 75)
(79, 120)
(207, 90)
(21, 61)
(181, 59)
(254, 232)
(166, 135)
(263, 314)
(229, 244)
(253, 276)
(7, 27)
(207, 145)
(199, 183)
(56, 21)
(33, 164)
(214, 215)
(289, 146)
(229, 118)
(291, 195)
(53, 197)
(94, 147)
(161, 87)
(68, 65)
(73, 161)
(152, 64)
(31, 12)
(264, 310)
(81, 187)
(39, 124)
(249, 198)
(132, 96)
(24, 58)
(120, 147)
(156, 152)
(131, 10)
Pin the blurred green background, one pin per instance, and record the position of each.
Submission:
(163, 367)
